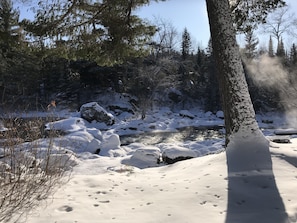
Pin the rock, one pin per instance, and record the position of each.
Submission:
(94, 112)
(173, 154)
(111, 141)
(220, 114)
(2, 127)
(280, 139)
(209, 115)
(64, 126)
(175, 96)
(93, 146)
(285, 132)
(145, 157)
(120, 108)
(186, 114)
(266, 121)
(111, 146)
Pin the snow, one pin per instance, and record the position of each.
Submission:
(67, 125)
(254, 181)
(173, 151)
(2, 128)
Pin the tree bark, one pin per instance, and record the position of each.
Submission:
(237, 105)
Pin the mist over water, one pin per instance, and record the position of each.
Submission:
(269, 72)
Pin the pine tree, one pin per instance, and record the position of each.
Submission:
(107, 31)
(212, 101)
(186, 44)
(200, 59)
(251, 43)
(270, 48)
(280, 52)
(9, 25)
(293, 55)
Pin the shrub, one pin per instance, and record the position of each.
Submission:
(30, 171)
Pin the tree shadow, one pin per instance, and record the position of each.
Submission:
(253, 195)
(289, 159)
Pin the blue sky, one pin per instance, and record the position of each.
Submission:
(192, 15)
(182, 13)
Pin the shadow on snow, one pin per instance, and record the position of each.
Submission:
(253, 195)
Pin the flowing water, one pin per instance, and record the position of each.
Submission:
(181, 134)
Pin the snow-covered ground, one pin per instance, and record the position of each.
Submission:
(116, 185)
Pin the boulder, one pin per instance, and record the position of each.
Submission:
(173, 154)
(145, 157)
(2, 127)
(186, 114)
(175, 96)
(220, 114)
(94, 112)
(111, 146)
(279, 139)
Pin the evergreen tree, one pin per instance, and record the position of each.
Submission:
(251, 43)
(186, 44)
(212, 101)
(280, 52)
(107, 31)
(9, 25)
(293, 55)
(200, 58)
(270, 48)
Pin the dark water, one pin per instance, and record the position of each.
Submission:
(30, 129)
(181, 135)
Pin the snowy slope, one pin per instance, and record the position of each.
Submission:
(209, 188)
(191, 191)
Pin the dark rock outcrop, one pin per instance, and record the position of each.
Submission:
(94, 112)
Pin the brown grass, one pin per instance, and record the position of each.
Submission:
(29, 172)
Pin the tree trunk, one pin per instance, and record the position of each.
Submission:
(248, 155)
(237, 105)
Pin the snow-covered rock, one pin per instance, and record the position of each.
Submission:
(279, 138)
(68, 125)
(59, 161)
(2, 127)
(78, 142)
(147, 156)
(174, 153)
(111, 146)
(289, 131)
(220, 114)
(96, 133)
(111, 141)
(186, 114)
(94, 112)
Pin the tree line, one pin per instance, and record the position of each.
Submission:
(71, 49)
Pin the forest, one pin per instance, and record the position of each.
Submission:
(73, 51)
(79, 51)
